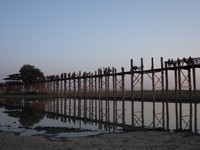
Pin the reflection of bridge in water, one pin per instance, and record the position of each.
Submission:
(104, 93)
(103, 114)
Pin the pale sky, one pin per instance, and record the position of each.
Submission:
(83, 35)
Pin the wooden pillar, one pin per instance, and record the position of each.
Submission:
(57, 85)
(100, 93)
(153, 90)
(106, 93)
(61, 85)
(108, 102)
(79, 94)
(190, 97)
(93, 96)
(48, 88)
(132, 92)
(74, 98)
(180, 94)
(54, 86)
(167, 95)
(74, 83)
(89, 96)
(162, 88)
(69, 94)
(61, 93)
(65, 85)
(95, 90)
(195, 98)
(90, 80)
(142, 92)
(123, 96)
(85, 94)
(65, 94)
(103, 93)
(113, 75)
(79, 85)
(177, 96)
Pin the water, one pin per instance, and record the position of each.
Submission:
(60, 117)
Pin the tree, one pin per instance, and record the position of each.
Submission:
(30, 74)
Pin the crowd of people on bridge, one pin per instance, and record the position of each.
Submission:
(186, 61)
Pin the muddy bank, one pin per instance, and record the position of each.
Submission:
(127, 140)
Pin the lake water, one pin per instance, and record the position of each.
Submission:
(61, 117)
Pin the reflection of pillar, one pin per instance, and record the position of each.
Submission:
(65, 106)
(54, 106)
(57, 105)
(108, 112)
(79, 107)
(61, 105)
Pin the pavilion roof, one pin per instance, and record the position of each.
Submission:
(15, 76)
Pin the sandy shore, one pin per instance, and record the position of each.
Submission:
(119, 141)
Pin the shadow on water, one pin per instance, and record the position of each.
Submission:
(27, 118)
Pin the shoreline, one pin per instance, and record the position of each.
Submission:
(123, 140)
(146, 99)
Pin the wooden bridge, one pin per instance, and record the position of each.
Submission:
(106, 84)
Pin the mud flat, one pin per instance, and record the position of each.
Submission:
(125, 140)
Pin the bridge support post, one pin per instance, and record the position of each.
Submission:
(167, 95)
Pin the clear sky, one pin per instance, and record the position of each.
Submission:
(82, 35)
